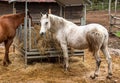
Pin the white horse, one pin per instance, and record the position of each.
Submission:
(92, 36)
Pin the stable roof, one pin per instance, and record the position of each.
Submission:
(30, 0)
(61, 2)
(72, 2)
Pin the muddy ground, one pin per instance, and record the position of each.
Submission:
(53, 72)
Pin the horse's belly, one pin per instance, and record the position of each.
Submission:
(78, 45)
(81, 47)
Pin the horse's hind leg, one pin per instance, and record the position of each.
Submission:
(109, 61)
(98, 61)
(6, 60)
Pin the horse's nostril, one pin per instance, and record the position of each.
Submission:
(41, 33)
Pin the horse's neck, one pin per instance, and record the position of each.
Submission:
(18, 19)
(59, 22)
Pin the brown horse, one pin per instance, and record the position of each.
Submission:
(8, 25)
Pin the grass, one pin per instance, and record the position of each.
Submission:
(117, 34)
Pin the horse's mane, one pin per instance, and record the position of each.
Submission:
(58, 20)
(13, 15)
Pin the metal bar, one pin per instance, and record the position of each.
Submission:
(29, 35)
(25, 31)
(33, 53)
(78, 50)
(31, 50)
(21, 35)
(52, 55)
(31, 57)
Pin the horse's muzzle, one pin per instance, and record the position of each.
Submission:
(42, 33)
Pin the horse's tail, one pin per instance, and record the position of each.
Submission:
(95, 40)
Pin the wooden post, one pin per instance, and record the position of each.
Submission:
(109, 11)
(84, 14)
(64, 12)
(83, 19)
(14, 9)
(61, 11)
(49, 11)
(115, 7)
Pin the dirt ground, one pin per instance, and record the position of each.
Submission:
(53, 72)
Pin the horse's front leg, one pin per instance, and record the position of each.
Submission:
(65, 54)
(6, 60)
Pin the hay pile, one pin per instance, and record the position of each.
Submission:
(42, 43)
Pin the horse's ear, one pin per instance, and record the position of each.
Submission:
(47, 15)
(41, 14)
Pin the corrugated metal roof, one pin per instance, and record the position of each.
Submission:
(31, 0)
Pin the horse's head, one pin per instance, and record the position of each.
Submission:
(45, 23)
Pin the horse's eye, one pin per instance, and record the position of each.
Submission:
(46, 23)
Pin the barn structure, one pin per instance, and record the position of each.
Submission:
(74, 10)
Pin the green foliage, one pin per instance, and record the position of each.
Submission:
(102, 5)
(117, 34)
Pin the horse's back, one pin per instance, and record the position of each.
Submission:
(97, 28)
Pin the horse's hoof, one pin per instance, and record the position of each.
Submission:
(66, 68)
(9, 62)
(93, 77)
(6, 63)
(109, 76)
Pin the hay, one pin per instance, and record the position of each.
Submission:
(42, 43)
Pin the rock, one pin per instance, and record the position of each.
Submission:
(114, 51)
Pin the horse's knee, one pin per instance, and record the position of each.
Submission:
(109, 60)
(66, 59)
